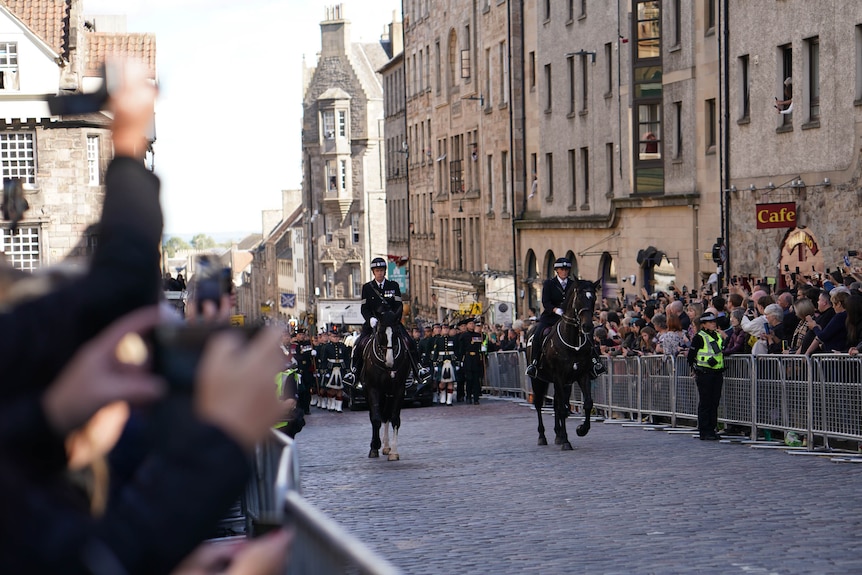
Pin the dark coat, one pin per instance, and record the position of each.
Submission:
(39, 337)
(553, 296)
(376, 301)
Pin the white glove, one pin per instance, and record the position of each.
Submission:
(373, 322)
(313, 352)
(558, 311)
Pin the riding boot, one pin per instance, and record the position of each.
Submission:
(598, 368)
(535, 354)
(355, 367)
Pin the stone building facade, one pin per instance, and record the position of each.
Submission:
(627, 182)
(344, 163)
(46, 49)
(807, 161)
(461, 185)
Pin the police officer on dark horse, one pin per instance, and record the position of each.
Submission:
(382, 296)
(554, 292)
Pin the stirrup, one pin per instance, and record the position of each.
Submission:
(349, 378)
(532, 370)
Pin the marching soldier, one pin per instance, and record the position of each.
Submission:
(304, 356)
(333, 361)
(445, 365)
(472, 361)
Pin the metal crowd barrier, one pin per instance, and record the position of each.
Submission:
(504, 374)
(320, 545)
(817, 397)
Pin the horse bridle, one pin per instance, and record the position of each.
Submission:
(375, 347)
(575, 320)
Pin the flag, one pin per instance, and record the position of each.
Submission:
(288, 300)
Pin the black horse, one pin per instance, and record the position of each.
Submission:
(384, 373)
(567, 358)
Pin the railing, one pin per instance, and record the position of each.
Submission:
(273, 499)
(818, 396)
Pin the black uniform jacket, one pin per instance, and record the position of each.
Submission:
(376, 301)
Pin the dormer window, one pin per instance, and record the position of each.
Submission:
(8, 66)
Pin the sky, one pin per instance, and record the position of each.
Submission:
(229, 112)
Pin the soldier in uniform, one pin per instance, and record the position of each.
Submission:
(472, 361)
(380, 296)
(445, 365)
(554, 292)
(333, 360)
(304, 355)
(427, 343)
(317, 393)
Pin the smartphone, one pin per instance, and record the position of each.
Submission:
(177, 350)
(211, 281)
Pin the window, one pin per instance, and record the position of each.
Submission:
(532, 70)
(504, 187)
(453, 62)
(342, 124)
(328, 124)
(677, 23)
(331, 177)
(585, 86)
(489, 175)
(859, 64)
(549, 97)
(437, 68)
(573, 179)
(710, 16)
(8, 66)
(585, 175)
(647, 97)
(327, 226)
(18, 156)
(328, 280)
(343, 173)
(570, 64)
(785, 62)
(813, 78)
(609, 69)
(504, 73)
(571, 11)
(744, 88)
(677, 128)
(710, 125)
(547, 10)
(583, 9)
(549, 170)
(21, 247)
(355, 281)
(93, 160)
(488, 72)
(609, 161)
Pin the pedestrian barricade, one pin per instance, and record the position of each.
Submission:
(818, 397)
(504, 374)
(273, 499)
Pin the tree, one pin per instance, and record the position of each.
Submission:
(174, 243)
(202, 242)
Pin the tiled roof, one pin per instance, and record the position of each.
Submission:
(49, 19)
(128, 45)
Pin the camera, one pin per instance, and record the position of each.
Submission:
(211, 281)
(177, 350)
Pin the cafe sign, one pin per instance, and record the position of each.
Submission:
(781, 215)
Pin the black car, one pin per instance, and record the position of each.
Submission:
(422, 394)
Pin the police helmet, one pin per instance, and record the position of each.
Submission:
(563, 263)
(378, 263)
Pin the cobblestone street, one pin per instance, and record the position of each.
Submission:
(473, 493)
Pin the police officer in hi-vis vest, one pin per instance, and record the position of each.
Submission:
(707, 362)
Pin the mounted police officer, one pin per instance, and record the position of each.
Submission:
(379, 296)
(707, 361)
(554, 292)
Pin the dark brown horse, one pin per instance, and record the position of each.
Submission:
(567, 358)
(384, 373)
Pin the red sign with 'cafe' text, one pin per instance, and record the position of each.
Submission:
(776, 215)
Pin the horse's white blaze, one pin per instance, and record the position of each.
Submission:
(390, 358)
